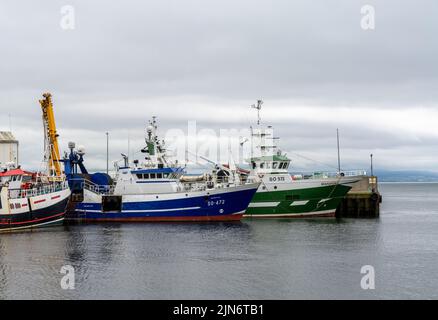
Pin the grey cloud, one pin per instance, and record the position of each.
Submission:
(208, 60)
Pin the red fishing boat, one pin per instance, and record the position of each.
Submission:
(29, 200)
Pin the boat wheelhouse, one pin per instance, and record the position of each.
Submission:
(148, 180)
(270, 164)
(15, 176)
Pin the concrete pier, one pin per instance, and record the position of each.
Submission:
(363, 200)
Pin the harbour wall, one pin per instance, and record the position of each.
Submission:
(363, 200)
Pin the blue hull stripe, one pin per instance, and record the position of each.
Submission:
(228, 203)
(158, 210)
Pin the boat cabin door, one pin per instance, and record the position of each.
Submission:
(111, 203)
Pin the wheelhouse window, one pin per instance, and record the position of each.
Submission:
(254, 165)
(165, 175)
(159, 176)
(262, 165)
(152, 176)
(274, 165)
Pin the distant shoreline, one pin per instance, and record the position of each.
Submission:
(410, 182)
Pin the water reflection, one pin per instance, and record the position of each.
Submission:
(3, 275)
(268, 259)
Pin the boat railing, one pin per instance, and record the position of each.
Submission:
(193, 186)
(328, 174)
(38, 191)
(96, 188)
(210, 185)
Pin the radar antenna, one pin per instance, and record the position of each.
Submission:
(258, 107)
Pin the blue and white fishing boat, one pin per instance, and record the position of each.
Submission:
(156, 190)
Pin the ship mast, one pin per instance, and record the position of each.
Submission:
(52, 155)
(265, 148)
(258, 107)
(154, 147)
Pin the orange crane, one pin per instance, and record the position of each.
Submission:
(50, 136)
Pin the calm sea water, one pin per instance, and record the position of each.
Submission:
(269, 259)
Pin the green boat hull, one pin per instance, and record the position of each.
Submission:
(321, 201)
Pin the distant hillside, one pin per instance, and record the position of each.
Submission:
(407, 176)
(383, 175)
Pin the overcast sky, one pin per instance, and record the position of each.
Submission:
(186, 60)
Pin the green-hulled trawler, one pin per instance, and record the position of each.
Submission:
(284, 195)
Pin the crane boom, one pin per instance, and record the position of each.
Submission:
(51, 136)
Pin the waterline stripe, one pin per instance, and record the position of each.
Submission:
(33, 226)
(263, 204)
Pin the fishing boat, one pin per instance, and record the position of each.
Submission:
(30, 200)
(283, 195)
(156, 189)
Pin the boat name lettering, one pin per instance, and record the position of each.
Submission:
(215, 203)
(276, 179)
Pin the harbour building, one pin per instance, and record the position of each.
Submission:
(8, 149)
